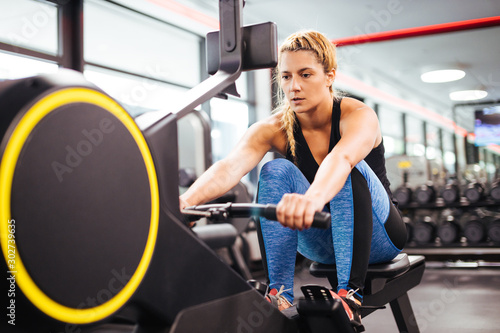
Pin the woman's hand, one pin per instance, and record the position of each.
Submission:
(296, 211)
(183, 204)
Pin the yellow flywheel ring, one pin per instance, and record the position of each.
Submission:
(9, 161)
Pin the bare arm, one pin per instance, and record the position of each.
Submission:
(360, 134)
(226, 173)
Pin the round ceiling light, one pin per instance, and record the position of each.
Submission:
(468, 95)
(443, 75)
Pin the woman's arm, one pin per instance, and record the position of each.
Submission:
(226, 173)
(360, 133)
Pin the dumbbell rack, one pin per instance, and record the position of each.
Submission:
(486, 250)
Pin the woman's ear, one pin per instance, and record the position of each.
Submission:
(330, 77)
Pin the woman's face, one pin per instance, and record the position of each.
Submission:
(304, 82)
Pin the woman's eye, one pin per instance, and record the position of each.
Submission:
(284, 77)
(306, 75)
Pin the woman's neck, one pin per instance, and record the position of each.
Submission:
(318, 118)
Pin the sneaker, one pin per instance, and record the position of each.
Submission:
(352, 307)
(276, 298)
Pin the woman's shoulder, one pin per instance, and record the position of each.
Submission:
(272, 122)
(349, 105)
(357, 116)
(270, 129)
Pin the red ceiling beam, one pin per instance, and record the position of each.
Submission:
(419, 31)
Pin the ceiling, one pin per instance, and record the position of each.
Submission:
(395, 66)
(391, 67)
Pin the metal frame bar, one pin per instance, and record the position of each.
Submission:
(19, 50)
(71, 34)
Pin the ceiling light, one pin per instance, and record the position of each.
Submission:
(443, 75)
(467, 95)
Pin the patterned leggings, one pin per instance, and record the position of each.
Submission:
(360, 233)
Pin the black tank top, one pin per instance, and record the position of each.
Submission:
(308, 165)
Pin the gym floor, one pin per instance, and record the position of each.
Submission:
(454, 300)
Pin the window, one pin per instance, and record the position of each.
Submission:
(433, 149)
(15, 67)
(135, 43)
(414, 136)
(449, 157)
(136, 94)
(29, 24)
(391, 125)
(229, 123)
(460, 142)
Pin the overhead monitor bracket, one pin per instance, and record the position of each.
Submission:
(259, 49)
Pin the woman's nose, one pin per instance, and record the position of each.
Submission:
(294, 85)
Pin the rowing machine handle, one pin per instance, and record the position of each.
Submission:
(321, 220)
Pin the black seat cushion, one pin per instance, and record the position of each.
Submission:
(393, 268)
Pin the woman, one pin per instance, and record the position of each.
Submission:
(334, 161)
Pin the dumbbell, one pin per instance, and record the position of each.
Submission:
(425, 194)
(474, 229)
(495, 190)
(494, 231)
(449, 230)
(403, 195)
(424, 231)
(474, 192)
(450, 193)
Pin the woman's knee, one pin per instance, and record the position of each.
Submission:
(278, 177)
(364, 169)
(277, 168)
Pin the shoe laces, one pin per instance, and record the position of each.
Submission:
(350, 294)
(281, 291)
(281, 298)
(349, 297)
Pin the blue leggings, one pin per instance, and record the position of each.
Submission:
(357, 236)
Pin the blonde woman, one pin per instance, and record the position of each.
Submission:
(334, 161)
